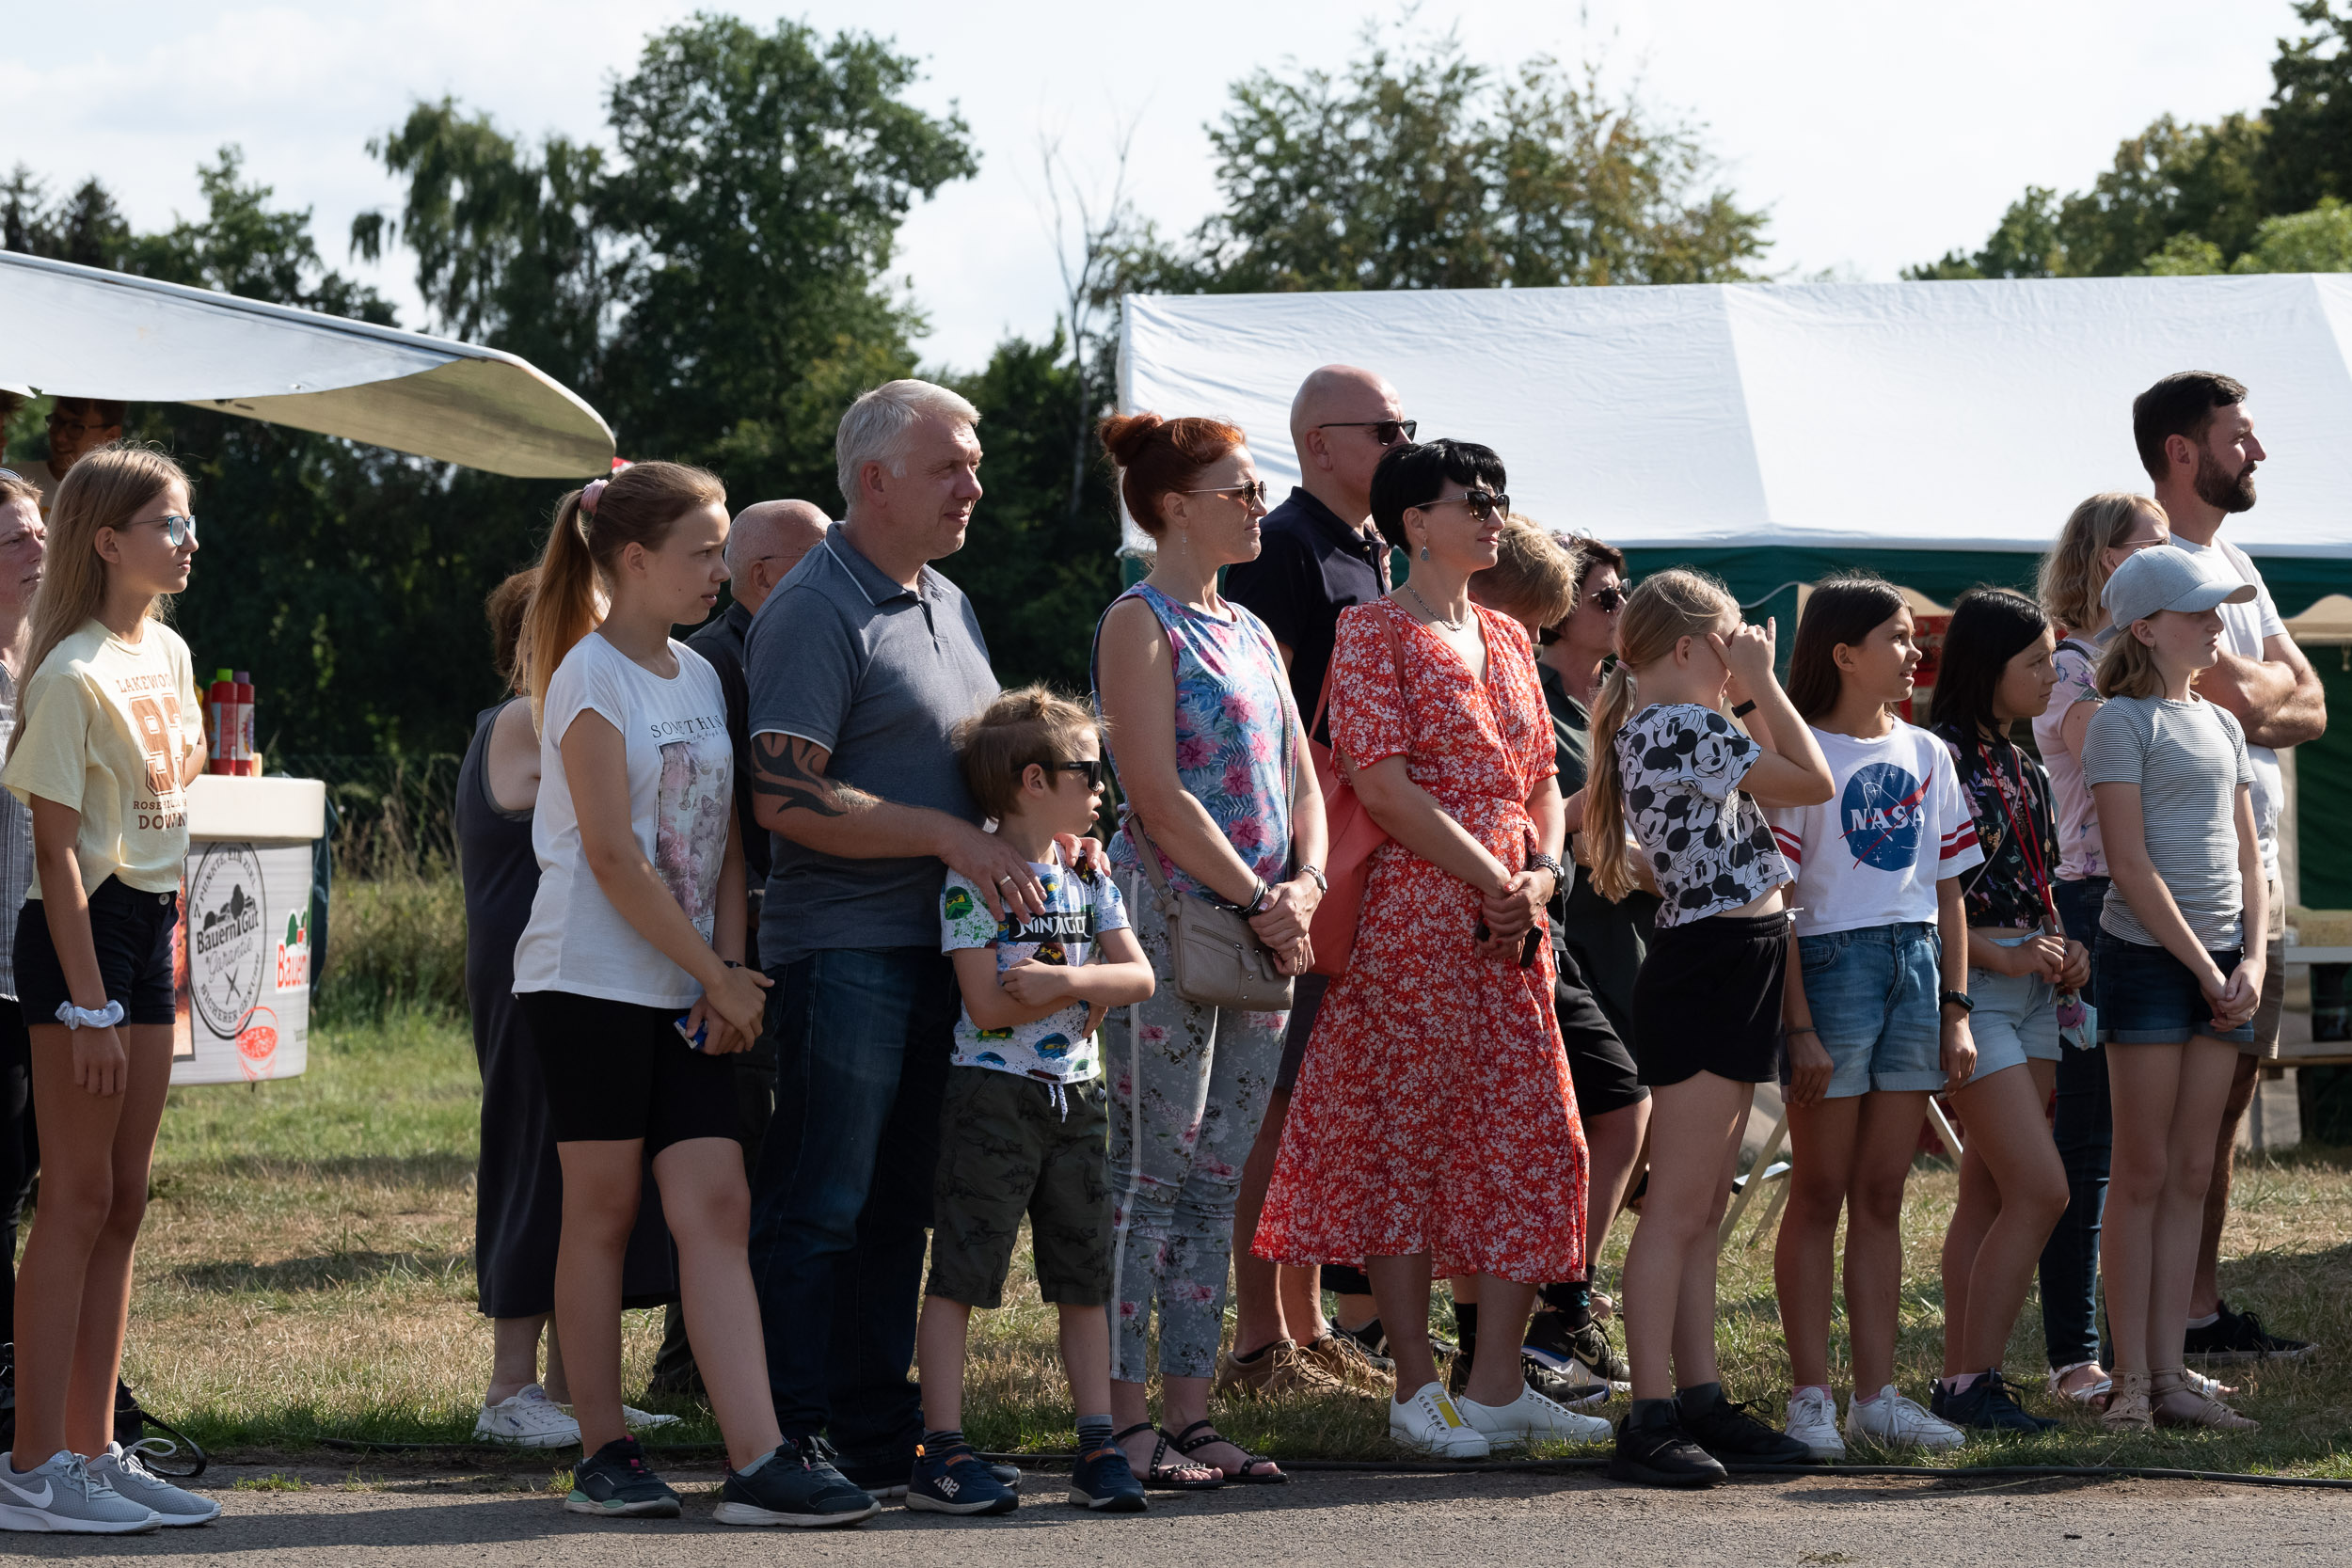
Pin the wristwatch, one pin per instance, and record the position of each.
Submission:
(1744, 709)
(1544, 862)
(1958, 999)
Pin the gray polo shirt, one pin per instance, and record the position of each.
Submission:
(879, 674)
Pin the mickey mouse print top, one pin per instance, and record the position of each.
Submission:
(1707, 843)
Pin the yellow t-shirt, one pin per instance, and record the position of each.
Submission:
(107, 728)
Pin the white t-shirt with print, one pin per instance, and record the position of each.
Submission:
(1872, 854)
(1081, 905)
(2245, 627)
(1708, 843)
(681, 796)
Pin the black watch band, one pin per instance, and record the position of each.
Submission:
(1744, 709)
(1958, 999)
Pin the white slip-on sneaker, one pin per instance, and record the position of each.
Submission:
(126, 1471)
(1813, 1421)
(64, 1497)
(1895, 1423)
(1533, 1419)
(1426, 1422)
(528, 1420)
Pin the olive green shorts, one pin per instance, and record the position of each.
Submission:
(1006, 1148)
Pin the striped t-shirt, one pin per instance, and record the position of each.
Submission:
(2189, 761)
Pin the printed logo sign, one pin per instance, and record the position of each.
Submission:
(1881, 813)
(293, 952)
(227, 940)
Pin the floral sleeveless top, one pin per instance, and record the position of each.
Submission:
(1234, 728)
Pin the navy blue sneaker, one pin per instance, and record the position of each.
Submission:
(1987, 1405)
(955, 1480)
(615, 1483)
(797, 1485)
(1104, 1481)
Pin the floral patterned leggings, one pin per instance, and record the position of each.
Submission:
(1188, 1088)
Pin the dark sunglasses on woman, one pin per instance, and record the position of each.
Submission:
(1607, 600)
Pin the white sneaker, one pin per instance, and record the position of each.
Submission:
(1895, 1423)
(1427, 1422)
(126, 1471)
(1533, 1419)
(645, 1421)
(528, 1420)
(1813, 1421)
(63, 1496)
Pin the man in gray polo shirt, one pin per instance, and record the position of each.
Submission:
(859, 666)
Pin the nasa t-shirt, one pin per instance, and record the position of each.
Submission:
(1872, 854)
(1081, 905)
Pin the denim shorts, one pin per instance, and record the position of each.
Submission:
(2015, 1018)
(1872, 992)
(2148, 997)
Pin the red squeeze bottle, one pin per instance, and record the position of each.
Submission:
(248, 763)
(220, 722)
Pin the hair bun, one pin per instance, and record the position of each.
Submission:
(1124, 435)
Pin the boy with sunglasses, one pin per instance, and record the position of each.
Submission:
(1026, 1118)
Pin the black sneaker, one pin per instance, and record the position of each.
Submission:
(1551, 1342)
(957, 1480)
(618, 1484)
(1106, 1483)
(1987, 1405)
(1375, 1341)
(797, 1485)
(1571, 1387)
(2239, 1336)
(1725, 1430)
(1653, 1450)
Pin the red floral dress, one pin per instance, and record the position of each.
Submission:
(1435, 1113)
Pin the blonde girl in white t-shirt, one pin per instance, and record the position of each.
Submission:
(107, 740)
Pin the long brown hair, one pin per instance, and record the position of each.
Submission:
(638, 505)
(1668, 606)
(103, 489)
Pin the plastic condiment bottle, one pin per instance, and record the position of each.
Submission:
(248, 758)
(220, 722)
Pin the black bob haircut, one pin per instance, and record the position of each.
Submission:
(1989, 627)
(1411, 475)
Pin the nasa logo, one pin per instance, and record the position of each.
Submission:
(1879, 816)
(227, 940)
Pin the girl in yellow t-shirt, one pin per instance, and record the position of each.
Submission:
(106, 742)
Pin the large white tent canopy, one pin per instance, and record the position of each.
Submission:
(1941, 416)
(85, 332)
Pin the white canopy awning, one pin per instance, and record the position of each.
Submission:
(86, 332)
(1909, 416)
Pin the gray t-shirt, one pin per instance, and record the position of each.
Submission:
(879, 674)
(2189, 759)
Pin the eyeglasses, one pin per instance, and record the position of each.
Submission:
(1090, 766)
(1252, 493)
(178, 531)
(1485, 505)
(1385, 432)
(1607, 600)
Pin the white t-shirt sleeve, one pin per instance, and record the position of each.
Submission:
(584, 683)
(1957, 847)
(1110, 909)
(1787, 825)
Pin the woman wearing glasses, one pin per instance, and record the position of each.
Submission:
(1212, 762)
(1434, 1128)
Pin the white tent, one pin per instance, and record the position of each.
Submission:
(86, 332)
(1870, 416)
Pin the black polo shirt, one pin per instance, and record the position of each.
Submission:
(721, 642)
(1310, 565)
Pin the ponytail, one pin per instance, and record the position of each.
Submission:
(1604, 789)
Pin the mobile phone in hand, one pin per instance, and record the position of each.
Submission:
(699, 1038)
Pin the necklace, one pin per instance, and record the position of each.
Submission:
(1427, 608)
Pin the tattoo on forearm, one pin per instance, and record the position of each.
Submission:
(785, 770)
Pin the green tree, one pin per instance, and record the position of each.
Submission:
(2025, 244)
(2310, 152)
(2317, 241)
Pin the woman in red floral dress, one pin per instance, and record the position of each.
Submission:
(1434, 1128)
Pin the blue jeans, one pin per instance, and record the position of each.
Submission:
(2085, 1131)
(842, 1197)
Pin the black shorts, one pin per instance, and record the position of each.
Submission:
(616, 1071)
(1598, 1064)
(1708, 998)
(1306, 1001)
(131, 932)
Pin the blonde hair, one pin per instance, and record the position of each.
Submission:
(1668, 606)
(996, 747)
(2075, 572)
(1534, 575)
(103, 489)
(638, 505)
(2128, 668)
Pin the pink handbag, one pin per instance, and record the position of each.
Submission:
(1352, 835)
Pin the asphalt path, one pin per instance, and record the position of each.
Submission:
(434, 1519)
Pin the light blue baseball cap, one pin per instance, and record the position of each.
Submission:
(2164, 577)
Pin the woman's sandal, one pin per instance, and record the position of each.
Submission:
(2127, 1407)
(1169, 1477)
(2091, 1396)
(1248, 1474)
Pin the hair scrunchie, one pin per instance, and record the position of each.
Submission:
(590, 494)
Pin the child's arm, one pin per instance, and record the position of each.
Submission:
(1790, 770)
(1809, 1064)
(1121, 975)
(1956, 1045)
(2124, 830)
(727, 939)
(100, 1064)
(991, 1005)
(2243, 996)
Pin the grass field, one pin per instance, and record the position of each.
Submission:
(306, 1273)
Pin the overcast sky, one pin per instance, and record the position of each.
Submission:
(1876, 134)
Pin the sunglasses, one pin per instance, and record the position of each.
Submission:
(1386, 431)
(1252, 494)
(178, 531)
(1485, 505)
(1090, 766)
(1607, 600)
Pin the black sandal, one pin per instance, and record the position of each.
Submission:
(1161, 1477)
(1248, 1474)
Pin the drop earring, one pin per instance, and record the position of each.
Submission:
(1424, 552)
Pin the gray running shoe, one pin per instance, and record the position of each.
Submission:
(64, 1496)
(126, 1471)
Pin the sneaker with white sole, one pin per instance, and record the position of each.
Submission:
(1813, 1421)
(64, 1496)
(1531, 1419)
(527, 1420)
(1427, 1422)
(126, 1471)
(1893, 1421)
